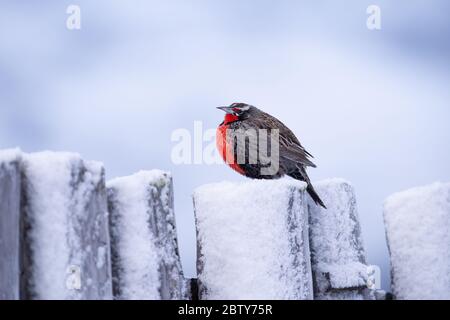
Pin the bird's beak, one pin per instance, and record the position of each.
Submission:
(226, 109)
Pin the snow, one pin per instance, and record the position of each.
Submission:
(10, 155)
(418, 233)
(101, 254)
(9, 223)
(65, 216)
(337, 251)
(253, 240)
(351, 275)
(146, 264)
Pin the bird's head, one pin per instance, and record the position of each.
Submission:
(237, 111)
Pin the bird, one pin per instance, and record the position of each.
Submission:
(248, 119)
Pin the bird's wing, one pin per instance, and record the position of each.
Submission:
(294, 156)
(291, 149)
(290, 152)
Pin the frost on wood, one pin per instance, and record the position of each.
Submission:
(337, 252)
(253, 241)
(417, 228)
(9, 224)
(66, 240)
(145, 258)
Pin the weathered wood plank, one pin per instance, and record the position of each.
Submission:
(145, 258)
(9, 224)
(66, 252)
(253, 241)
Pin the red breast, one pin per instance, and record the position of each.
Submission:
(225, 150)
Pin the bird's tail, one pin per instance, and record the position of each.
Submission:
(314, 195)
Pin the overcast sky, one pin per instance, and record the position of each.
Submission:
(371, 106)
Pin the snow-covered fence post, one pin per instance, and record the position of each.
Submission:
(66, 253)
(9, 224)
(145, 259)
(417, 228)
(337, 252)
(252, 240)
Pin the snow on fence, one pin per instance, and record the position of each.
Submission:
(65, 240)
(9, 224)
(145, 258)
(417, 228)
(253, 241)
(55, 231)
(337, 251)
(58, 241)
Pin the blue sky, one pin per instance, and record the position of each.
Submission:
(372, 106)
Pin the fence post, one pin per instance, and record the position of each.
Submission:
(65, 252)
(9, 224)
(145, 258)
(337, 252)
(253, 241)
(417, 228)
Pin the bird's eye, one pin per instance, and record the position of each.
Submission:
(237, 110)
